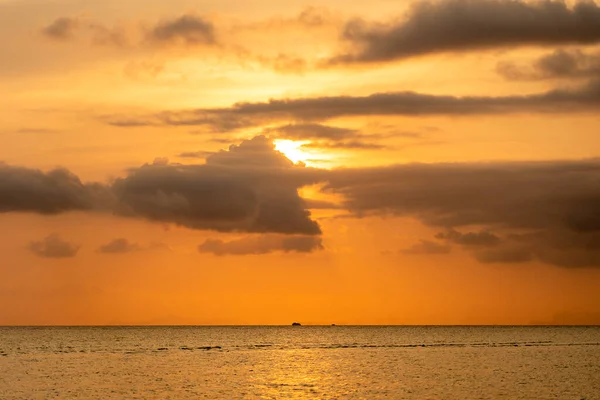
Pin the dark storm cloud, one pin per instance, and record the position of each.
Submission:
(118, 246)
(61, 29)
(463, 25)
(247, 115)
(262, 245)
(556, 204)
(249, 188)
(427, 247)
(187, 29)
(558, 64)
(54, 247)
(53, 192)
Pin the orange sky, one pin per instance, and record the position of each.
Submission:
(446, 162)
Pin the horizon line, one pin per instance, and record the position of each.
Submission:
(287, 325)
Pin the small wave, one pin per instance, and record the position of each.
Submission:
(209, 348)
(443, 345)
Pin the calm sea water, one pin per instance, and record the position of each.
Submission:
(300, 362)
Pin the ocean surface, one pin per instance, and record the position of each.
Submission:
(331, 362)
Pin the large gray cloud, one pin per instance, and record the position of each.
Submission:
(561, 63)
(516, 194)
(53, 246)
(249, 188)
(554, 207)
(461, 25)
(263, 244)
(245, 115)
(499, 211)
(53, 192)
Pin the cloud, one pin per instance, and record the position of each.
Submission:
(561, 63)
(498, 211)
(310, 110)
(53, 192)
(190, 30)
(300, 131)
(109, 36)
(67, 28)
(54, 247)
(333, 137)
(349, 145)
(284, 63)
(187, 30)
(548, 211)
(256, 152)
(483, 238)
(196, 154)
(118, 246)
(312, 16)
(251, 187)
(516, 194)
(467, 25)
(427, 247)
(262, 245)
(309, 18)
(248, 188)
(505, 255)
(62, 28)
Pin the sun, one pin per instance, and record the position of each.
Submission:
(292, 149)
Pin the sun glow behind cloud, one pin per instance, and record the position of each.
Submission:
(293, 150)
(298, 151)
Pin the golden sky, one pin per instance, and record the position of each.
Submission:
(262, 162)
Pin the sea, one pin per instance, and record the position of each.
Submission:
(300, 362)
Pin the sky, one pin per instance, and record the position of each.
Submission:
(263, 162)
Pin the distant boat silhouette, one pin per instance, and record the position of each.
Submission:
(296, 324)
